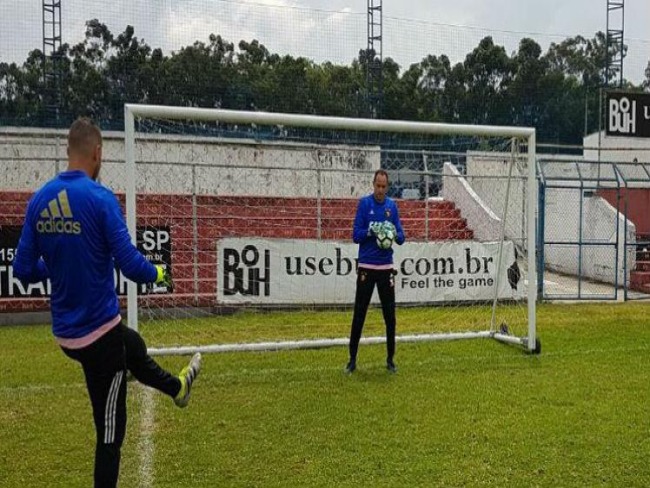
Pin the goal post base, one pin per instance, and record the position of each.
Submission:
(332, 342)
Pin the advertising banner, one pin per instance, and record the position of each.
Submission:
(628, 114)
(289, 271)
(154, 242)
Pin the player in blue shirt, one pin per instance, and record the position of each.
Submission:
(375, 266)
(74, 233)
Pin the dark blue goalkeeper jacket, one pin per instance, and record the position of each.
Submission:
(74, 233)
(370, 210)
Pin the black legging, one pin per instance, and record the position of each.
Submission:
(366, 280)
(105, 363)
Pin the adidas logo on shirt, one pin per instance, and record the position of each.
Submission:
(54, 218)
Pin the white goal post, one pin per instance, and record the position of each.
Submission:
(528, 340)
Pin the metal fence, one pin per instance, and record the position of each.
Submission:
(593, 224)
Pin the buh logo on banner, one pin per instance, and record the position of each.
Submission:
(245, 270)
(622, 116)
(628, 114)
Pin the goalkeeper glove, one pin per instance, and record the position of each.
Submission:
(374, 228)
(388, 226)
(163, 277)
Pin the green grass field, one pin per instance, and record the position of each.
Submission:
(470, 413)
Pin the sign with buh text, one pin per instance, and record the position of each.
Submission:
(295, 271)
(628, 114)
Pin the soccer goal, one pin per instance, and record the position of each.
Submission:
(253, 213)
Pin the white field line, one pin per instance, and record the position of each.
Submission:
(146, 446)
(146, 399)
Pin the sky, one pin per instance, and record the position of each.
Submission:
(335, 30)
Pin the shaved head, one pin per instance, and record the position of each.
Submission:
(83, 137)
(84, 146)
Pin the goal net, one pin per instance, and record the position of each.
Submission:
(252, 212)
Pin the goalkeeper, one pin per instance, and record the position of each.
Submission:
(376, 226)
(73, 233)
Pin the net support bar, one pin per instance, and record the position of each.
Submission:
(315, 343)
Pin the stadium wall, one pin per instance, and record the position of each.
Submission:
(181, 176)
(176, 167)
(206, 166)
(616, 149)
(571, 214)
(480, 218)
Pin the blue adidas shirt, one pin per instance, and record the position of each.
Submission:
(74, 233)
(370, 210)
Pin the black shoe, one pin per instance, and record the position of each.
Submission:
(350, 367)
(390, 366)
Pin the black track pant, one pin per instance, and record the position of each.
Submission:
(366, 281)
(105, 363)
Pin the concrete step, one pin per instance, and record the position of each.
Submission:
(640, 281)
(221, 216)
(643, 255)
(642, 266)
(446, 235)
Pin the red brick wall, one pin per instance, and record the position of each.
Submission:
(219, 217)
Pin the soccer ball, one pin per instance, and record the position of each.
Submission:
(386, 235)
(385, 240)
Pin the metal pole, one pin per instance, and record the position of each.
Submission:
(195, 236)
(129, 147)
(532, 264)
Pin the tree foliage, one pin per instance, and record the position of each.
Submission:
(556, 92)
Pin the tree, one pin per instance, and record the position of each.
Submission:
(482, 82)
(337, 90)
(21, 91)
(556, 92)
(198, 75)
(526, 98)
(433, 74)
(581, 58)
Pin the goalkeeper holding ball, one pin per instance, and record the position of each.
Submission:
(73, 233)
(376, 227)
